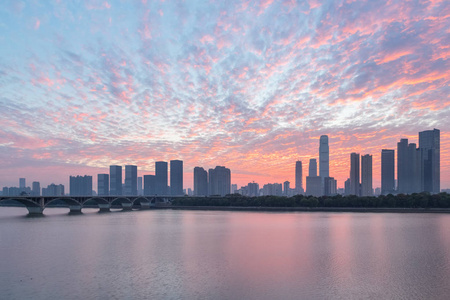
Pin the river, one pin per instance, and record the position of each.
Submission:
(182, 254)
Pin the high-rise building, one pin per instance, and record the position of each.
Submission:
(219, 181)
(234, 188)
(354, 174)
(149, 185)
(140, 186)
(115, 180)
(130, 180)
(176, 177)
(272, 189)
(36, 191)
(402, 166)
(81, 185)
(22, 183)
(312, 167)
(161, 178)
(103, 184)
(298, 178)
(330, 186)
(324, 157)
(314, 186)
(253, 189)
(429, 143)
(286, 188)
(366, 175)
(413, 184)
(347, 187)
(53, 190)
(200, 182)
(387, 171)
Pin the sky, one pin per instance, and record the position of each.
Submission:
(250, 85)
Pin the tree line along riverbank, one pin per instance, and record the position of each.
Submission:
(411, 201)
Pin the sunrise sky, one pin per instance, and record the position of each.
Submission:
(250, 85)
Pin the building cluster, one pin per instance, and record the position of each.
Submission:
(418, 170)
(216, 181)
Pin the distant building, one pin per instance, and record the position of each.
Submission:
(366, 175)
(347, 187)
(234, 188)
(354, 174)
(402, 166)
(53, 190)
(22, 183)
(140, 186)
(176, 177)
(286, 188)
(252, 189)
(314, 186)
(272, 189)
(36, 188)
(219, 181)
(298, 178)
(115, 180)
(429, 144)
(103, 184)
(330, 186)
(200, 182)
(387, 171)
(149, 185)
(312, 167)
(324, 160)
(161, 178)
(81, 185)
(130, 180)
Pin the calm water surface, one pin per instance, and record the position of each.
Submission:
(164, 254)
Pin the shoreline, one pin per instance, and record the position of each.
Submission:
(311, 209)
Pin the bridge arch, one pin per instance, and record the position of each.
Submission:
(33, 206)
(126, 203)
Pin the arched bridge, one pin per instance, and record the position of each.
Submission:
(36, 205)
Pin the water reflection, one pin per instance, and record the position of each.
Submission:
(224, 255)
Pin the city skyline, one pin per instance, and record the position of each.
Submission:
(247, 85)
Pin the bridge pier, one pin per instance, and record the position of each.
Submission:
(127, 206)
(145, 205)
(75, 209)
(104, 207)
(35, 210)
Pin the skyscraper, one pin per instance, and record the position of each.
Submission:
(22, 183)
(200, 182)
(36, 189)
(402, 166)
(219, 181)
(140, 186)
(103, 184)
(429, 143)
(312, 167)
(130, 180)
(354, 174)
(286, 188)
(366, 175)
(176, 177)
(387, 171)
(115, 180)
(298, 178)
(324, 157)
(149, 185)
(161, 178)
(81, 185)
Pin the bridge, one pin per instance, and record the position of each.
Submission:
(37, 204)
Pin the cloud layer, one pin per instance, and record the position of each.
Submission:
(246, 84)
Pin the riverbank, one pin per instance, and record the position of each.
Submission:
(311, 209)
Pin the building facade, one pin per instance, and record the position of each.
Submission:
(354, 174)
(130, 180)
(161, 178)
(387, 171)
(200, 182)
(366, 175)
(115, 180)
(176, 177)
